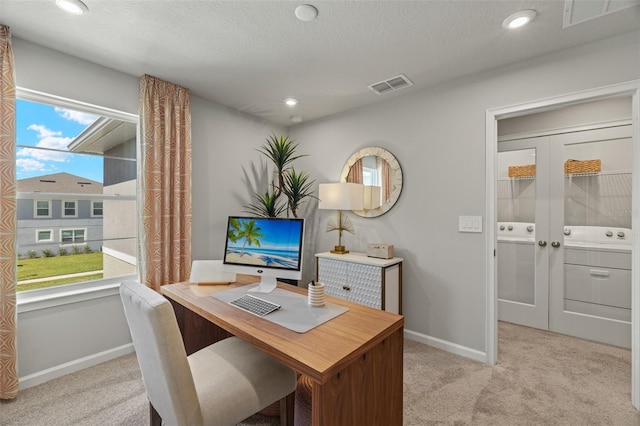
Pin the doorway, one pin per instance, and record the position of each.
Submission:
(564, 232)
(629, 89)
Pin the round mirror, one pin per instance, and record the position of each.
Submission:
(380, 173)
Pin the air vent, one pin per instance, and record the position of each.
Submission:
(390, 85)
(47, 181)
(578, 11)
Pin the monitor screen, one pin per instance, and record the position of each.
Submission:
(268, 247)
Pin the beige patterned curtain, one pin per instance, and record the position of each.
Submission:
(386, 180)
(355, 172)
(165, 115)
(8, 352)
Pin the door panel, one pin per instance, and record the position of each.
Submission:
(590, 272)
(521, 256)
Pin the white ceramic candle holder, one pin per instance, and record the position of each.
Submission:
(316, 294)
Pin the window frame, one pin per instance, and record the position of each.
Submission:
(35, 209)
(73, 230)
(93, 208)
(63, 209)
(48, 297)
(51, 233)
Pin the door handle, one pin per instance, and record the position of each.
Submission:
(542, 243)
(555, 244)
(599, 273)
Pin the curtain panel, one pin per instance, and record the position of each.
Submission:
(386, 180)
(165, 126)
(8, 350)
(355, 173)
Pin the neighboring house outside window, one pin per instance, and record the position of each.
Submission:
(69, 206)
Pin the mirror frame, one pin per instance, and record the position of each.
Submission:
(396, 178)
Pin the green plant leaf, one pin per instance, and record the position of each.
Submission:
(297, 187)
(266, 205)
(281, 152)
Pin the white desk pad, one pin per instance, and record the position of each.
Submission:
(295, 314)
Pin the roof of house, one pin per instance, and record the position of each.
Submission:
(59, 183)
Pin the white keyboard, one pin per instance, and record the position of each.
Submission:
(255, 305)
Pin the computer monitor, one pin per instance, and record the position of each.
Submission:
(268, 247)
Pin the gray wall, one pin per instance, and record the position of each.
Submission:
(436, 134)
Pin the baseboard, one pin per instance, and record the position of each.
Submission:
(454, 348)
(73, 366)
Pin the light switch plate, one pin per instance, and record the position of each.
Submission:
(470, 223)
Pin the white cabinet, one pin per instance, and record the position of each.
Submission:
(361, 279)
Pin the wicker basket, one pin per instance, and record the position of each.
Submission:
(585, 166)
(522, 171)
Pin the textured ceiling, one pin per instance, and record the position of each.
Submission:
(250, 55)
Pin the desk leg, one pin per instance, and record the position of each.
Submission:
(367, 392)
(196, 331)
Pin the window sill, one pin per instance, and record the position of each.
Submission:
(34, 300)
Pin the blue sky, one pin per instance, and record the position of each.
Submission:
(47, 126)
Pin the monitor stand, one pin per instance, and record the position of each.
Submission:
(266, 285)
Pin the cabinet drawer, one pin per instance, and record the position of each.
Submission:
(602, 286)
(354, 282)
(606, 259)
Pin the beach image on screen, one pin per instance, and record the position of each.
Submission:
(264, 242)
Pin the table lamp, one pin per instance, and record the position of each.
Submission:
(341, 196)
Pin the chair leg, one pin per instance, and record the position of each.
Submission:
(154, 417)
(286, 409)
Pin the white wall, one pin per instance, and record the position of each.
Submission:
(438, 136)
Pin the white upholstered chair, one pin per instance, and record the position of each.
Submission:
(221, 384)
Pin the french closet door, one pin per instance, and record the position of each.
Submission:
(523, 266)
(556, 283)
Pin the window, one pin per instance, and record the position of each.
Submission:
(69, 209)
(72, 236)
(44, 235)
(75, 162)
(96, 208)
(42, 208)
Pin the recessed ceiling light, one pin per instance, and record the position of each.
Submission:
(75, 7)
(296, 119)
(306, 12)
(291, 102)
(519, 19)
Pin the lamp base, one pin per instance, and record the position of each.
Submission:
(339, 250)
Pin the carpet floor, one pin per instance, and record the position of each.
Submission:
(541, 378)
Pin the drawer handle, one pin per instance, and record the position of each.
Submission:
(599, 273)
(346, 287)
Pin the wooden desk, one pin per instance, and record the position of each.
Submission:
(354, 360)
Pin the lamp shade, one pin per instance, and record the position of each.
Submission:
(341, 196)
(371, 197)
